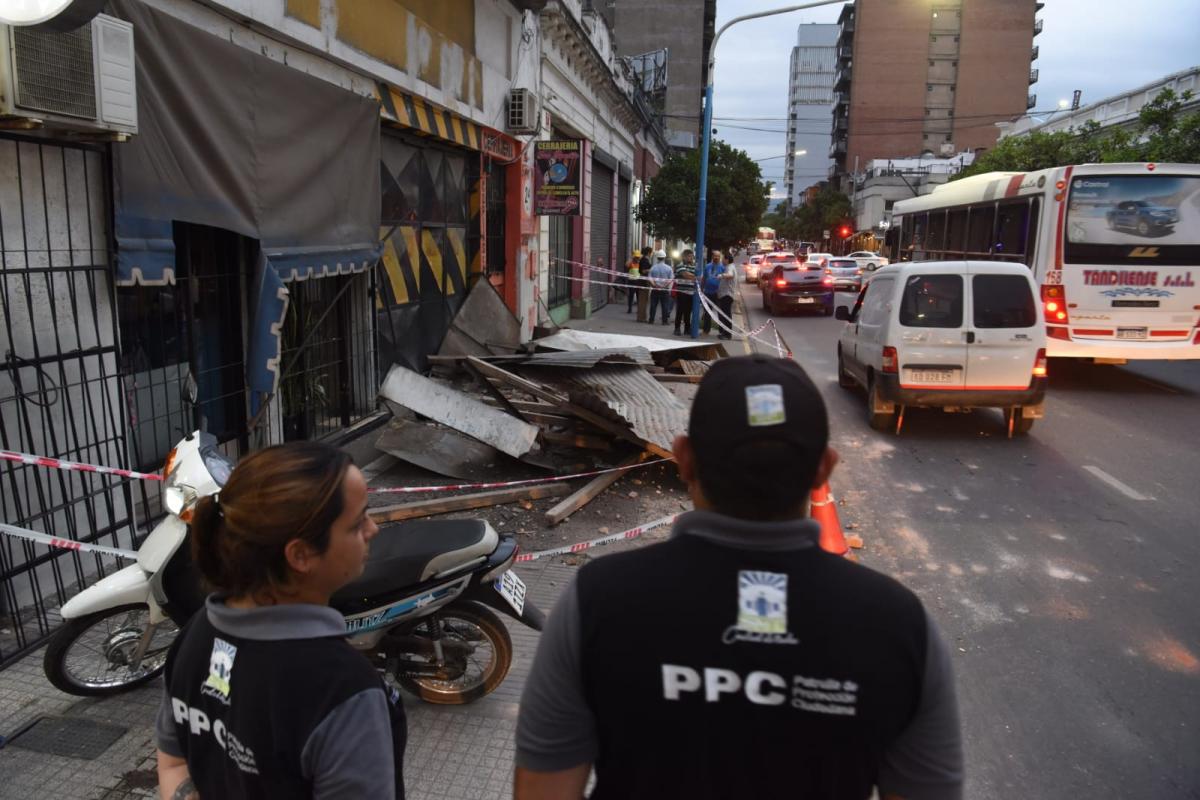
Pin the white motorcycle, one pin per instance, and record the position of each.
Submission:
(421, 611)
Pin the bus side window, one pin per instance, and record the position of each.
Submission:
(936, 240)
(1012, 220)
(979, 230)
(956, 232)
(1035, 217)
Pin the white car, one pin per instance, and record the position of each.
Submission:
(946, 334)
(753, 267)
(868, 260)
(822, 258)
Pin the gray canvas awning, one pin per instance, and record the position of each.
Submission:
(230, 138)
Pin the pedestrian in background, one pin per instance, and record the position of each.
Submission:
(685, 291)
(633, 273)
(710, 284)
(726, 285)
(263, 696)
(643, 298)
(661, 277)
(737, 659)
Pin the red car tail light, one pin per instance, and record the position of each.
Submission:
(781, 283)
(891, 362)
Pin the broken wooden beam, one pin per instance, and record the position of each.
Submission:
(589, 491)
(465, 502)
(668, 377)
(581, 440)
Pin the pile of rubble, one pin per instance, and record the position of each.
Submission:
(565, 403)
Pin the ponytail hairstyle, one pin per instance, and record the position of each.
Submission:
(275, 495)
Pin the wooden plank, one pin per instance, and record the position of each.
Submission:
(537, 390)
(456, 410)
(588, 492)
(465, 502)
(670, 378)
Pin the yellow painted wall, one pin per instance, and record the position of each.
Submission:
(377, 27)
(307, 11)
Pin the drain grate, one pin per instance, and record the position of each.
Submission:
(73, 737)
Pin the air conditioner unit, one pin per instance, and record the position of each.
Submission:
(522, 111)
(947, 149)
(81, 80)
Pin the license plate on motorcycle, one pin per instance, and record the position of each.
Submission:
(512, 589)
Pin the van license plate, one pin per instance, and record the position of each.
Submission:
(1131, 333)
(512, 589)
(931, 375)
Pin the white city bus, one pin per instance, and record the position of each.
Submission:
(1115, 249)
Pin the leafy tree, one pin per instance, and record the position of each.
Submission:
(1163, 133)
(737, 197)
(808, 222)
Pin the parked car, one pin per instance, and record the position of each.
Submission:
(1143, 216)
(868, 260)
(847, 274)
(949, 334)
(753, 267)
(796, 285)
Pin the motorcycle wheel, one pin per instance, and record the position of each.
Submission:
(90, 656)
(481, 672)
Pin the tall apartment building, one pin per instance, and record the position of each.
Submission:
(810, 102)
(929, 76)
(686, 29)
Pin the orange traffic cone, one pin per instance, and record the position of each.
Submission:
(824, 511)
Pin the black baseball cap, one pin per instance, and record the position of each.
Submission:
(750, 400)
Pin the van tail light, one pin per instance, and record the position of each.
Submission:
(891, 362)
(1039, 364)
(781, 283)
(1054, 298)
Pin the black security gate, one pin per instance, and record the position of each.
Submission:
(60, 392)
(327, 380)
(601, 233)
(622, 224)
(562, 248)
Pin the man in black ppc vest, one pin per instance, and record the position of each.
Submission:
(738, 660)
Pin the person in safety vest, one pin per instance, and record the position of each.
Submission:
(737, 659)
(264, 698)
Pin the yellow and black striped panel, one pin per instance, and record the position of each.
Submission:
(400, 281)
(423, 117)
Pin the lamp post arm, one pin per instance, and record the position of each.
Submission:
(712, 49)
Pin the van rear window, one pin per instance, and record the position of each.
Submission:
(932, 301)
(1003, 301)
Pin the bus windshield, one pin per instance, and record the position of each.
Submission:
(1141, 220)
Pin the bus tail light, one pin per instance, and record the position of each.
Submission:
(1039, 364)
(891, 362)
(1055, 300)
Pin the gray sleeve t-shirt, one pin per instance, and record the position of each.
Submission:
(556, 729)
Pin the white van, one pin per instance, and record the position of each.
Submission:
(955, 335)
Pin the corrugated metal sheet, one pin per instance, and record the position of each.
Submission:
(624, 394)
(579, 359)
(575, 340)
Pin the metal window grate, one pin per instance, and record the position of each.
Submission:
(73, 737)
(54, 71)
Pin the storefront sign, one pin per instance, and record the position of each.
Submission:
(497, 145)
(558, 177)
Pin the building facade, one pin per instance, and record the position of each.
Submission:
(929, 77)
(685, 29)
(810, 103)
(1114, 111)
(297, 195)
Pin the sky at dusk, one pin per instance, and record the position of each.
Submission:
(1101, 47)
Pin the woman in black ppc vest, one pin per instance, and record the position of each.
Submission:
(264, 698)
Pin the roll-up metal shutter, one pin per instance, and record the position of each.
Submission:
(601, 238)
(623, 192)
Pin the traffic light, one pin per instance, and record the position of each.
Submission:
(845, 231)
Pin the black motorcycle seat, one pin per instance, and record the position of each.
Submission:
(413, 552)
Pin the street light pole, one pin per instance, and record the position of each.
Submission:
(706, 136)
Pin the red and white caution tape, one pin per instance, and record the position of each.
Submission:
(734, 330)
(76, 466)
(65, 544)
(632, 533)
(500, 484)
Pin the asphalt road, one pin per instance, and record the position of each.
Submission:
(1061, 566)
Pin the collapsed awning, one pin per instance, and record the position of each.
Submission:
(232, 139)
